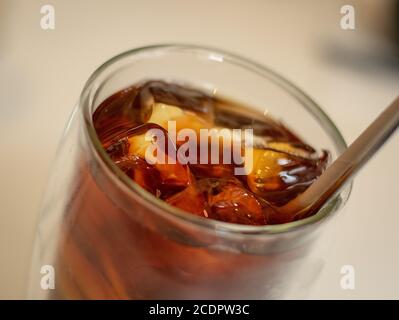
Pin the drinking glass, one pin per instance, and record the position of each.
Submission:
(101, 236)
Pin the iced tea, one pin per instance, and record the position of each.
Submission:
(112, 251)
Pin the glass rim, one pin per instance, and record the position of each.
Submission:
(163, 208)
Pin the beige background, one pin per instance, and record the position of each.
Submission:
(42, 73)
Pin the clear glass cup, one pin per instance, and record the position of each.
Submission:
(104, 237)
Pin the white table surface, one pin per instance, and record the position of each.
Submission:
(42, 73)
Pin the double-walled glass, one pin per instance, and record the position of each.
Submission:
(105, 237)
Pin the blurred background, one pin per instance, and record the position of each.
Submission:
(352, 74)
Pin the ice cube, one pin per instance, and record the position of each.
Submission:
(118, 149)
(282, 170)
(172, 174)
(162, 113)
(116, 115)
(147, 176)
(212, 170)
(230, 201)
(233, 115)
(190, 200)
(176, 95)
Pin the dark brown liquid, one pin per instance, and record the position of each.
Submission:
(114, 246)
(284, 165)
